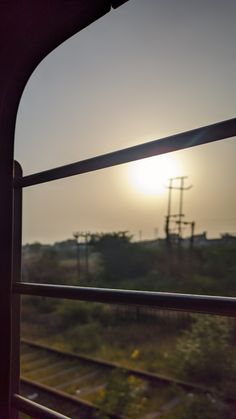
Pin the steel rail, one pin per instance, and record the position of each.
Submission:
(195, 137)
(61, 395)
(58, 393)
(205, 304)
(38, 411)
(144, 375)
(150, 377)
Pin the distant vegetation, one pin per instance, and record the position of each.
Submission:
(114, 261)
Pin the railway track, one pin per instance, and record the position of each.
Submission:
(57, 400)
(70, 383)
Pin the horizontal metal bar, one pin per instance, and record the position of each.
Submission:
(205, 304)
(36, 410)
(199, 136)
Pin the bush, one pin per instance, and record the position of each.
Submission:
(204, 407)
(204, 353)
(85, 338)
(123, 395)
(74, 312)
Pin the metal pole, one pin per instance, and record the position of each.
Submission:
(76, 236)
(86, 255)
(169, 197)
(180, 210)
(8, 109)
(167, 226)
(16, 277)
(192, 234)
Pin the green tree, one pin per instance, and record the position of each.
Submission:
(122, 259)
(42, 265)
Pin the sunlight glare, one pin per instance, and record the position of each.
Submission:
(150, 176)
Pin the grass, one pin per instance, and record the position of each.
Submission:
(152, 347)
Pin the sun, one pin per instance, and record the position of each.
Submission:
(150, 176)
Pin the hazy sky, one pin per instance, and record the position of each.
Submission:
(149, 69)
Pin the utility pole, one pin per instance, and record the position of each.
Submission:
(140, 233)
(180, 187)
(85, 243)
(181, 215)
(76, 237)
(192, 227)
(86, 236)
(167, 225)
(192, 234)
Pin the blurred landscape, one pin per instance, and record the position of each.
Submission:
(195, 348)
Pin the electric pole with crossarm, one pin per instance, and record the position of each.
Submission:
(176, 183)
